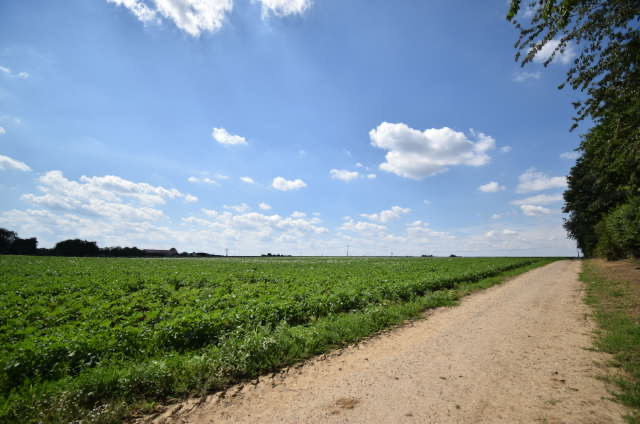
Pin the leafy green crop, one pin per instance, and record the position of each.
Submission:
(63, 319)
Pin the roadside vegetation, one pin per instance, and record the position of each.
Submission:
(98, 339)
(613, 290)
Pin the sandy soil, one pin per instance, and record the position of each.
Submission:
(514, 353)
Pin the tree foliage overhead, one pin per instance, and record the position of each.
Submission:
(606, 34)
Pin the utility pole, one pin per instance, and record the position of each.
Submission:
(347, 250)
(226, 252)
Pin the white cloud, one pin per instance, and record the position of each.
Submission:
(2, 131)
(190, 198)
(247, 180)
(506, 149)
(196, 17)
(108, 197)
(138, 8)
(500, 233)
(496, 216)
(343, 175)
(264, 206)
(205, 180)
(540, 199)
(7, 163)
(372, 176)
(284, 7)
(362, 227)
(547, 51)
(534, 210)
(427, 202)
(534, 180)
(387, 215)
(222, 136)
(241, 208)
(359, 165)
(282, 184)
(523, 76)
(491, 187)
(298, 214)
(192, 16)
(8, 72)
(419, 230)
(419, 154)
(570, 155)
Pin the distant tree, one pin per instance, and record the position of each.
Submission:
(76, 247)
(6, 240)
(24, 246)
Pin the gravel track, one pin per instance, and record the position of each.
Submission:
(515, 353)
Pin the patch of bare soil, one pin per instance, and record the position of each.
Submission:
(515, 353)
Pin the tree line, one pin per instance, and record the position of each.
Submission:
(11, 244)
(603, 194)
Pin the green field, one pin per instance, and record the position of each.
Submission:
(89, 337)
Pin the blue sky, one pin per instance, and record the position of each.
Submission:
(283, 126)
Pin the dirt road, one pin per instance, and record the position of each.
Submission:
(510, 354)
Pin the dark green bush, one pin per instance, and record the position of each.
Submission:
(619, 232)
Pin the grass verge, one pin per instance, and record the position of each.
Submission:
(613, 290)
(113, 392)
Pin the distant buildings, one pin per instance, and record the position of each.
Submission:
(155, 252)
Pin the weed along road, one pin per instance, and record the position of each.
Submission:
(514, 353)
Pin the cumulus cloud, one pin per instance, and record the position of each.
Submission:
(387, 215)
(264, 206)
(361, 226)
(548, 52)
(257, 225)
(196, 17)
(534, 180)
(540, 199)
(372, 176)
(419, 230)
(491, 187)
(191, 16)
(190, 198)
(241, 208)
(284, 7)
(222, 136)
(534, 210)
(7, 163)
(108, 197)
(343, 175)
(570, 155)
(282, 184)
(247, 180)
(506, 149)
(298, 214)
(204, 180)
(418, 154)
(523, 76)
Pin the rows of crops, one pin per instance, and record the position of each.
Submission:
(61, 317)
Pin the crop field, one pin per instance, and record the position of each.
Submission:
(88, 337)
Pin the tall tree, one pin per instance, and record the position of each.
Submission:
(607, 34)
